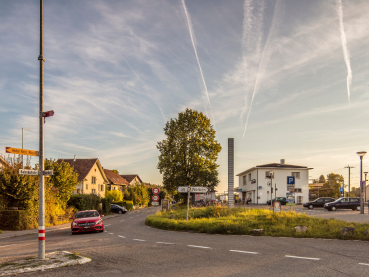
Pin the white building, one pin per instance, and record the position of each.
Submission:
(255, 182)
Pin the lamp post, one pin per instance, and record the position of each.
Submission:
(361, 155)
(365, 185)
(23, 144)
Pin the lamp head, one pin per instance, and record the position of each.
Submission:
(361, 153)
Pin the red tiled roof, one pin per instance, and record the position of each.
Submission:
(81, 166)
(115, 178)
(129, 178)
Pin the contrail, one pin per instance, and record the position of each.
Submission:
(263, 61)
(346, 54)
(198, 61)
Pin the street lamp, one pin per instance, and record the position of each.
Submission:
(361, 155)
(23, 144)
(365, 185)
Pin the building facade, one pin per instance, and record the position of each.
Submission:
(255, 182)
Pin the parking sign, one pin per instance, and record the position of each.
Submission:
(290, 180)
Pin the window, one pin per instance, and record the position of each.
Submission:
(250, 177)
(267, 174)
(102, 187)
(344, 200)
(94, 191)
(93, 181)
(244, 180)
(320, 200)
(296, 175)
(297, 190)
(354, 200)
(78, 191)
(86, 186)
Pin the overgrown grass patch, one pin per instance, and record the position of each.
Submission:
(238, 221)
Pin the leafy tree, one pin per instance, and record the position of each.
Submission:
(116, 195)
(355, 192)
(115, 171)
(321, 179)
(137, 193)
(334, 181)
(189, 153)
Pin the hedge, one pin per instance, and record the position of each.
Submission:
(127, 204)
(83, 202)
(15, 220)
(106, 202)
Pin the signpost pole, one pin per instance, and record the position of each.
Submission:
(41, 208)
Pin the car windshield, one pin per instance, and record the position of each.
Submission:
(87, 214)
(339, 199)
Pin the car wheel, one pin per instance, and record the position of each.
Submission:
(333, 208)
(311, 207)
(119, 212)
(102, 230)
(358, 208)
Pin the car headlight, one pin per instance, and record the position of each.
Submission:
(98, 222)
(74, 224)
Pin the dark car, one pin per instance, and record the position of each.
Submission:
(117, 209)
(319, 202)
(344, 203)
(281, 200)
(87, 221)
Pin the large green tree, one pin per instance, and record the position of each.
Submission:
(334, 181)
(189, 153)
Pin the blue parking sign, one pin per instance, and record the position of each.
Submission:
(290, 180)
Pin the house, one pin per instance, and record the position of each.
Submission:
(132, 179)
(3, 163)
(91, 176)
(116, 182)
(255, 182)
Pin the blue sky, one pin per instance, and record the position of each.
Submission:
(286, 79)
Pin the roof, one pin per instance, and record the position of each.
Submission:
(84, 166)
(115, 178)
(129, 178)
(273, 165)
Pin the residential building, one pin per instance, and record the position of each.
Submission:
(132, 179)
(116, 182)
(255, 182)
(91, 176)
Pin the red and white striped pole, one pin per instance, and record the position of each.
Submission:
(41, 232)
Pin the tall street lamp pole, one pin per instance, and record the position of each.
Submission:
(361, 155)
(23, 144)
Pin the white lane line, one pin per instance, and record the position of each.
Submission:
(122, 237)
(63, 228)
(139, 239)
(131, 217)
(105, 231)
(306, 258)
(6, 245)
(122, 220)
(106, 225)
(363, 264)
(164, 242)
(196, 246)
(246, 252)
(111, 233)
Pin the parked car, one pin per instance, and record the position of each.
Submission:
(87, 221)
(344, 203)
(281, 200)
(319, 202)
(117, 209)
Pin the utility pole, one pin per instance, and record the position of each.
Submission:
(349, 167)
(41, 183)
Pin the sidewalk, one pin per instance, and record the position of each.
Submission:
(8, 234)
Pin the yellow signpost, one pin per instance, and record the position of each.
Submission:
(21, 151)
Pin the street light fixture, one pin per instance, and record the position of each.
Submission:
(361, 155)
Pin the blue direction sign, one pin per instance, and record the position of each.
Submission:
(342, 194)
(290, 180)
(341, 189)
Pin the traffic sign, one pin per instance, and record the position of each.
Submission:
(48, 172)
(155, 198)
(193, 189)
(28, 172)
(341, 189)
(155, 190)
(290, 180)
(21, 151)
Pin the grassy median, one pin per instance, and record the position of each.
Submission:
(238, 221)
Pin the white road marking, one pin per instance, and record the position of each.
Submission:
(107, 225)
(139, 239)
(131, 217)
(105, 231)
(6, 245)
(164, 242)
(306, 258)
(111, 233)
(63, 228)
(247, 252)
(363, 264)
(122, 220)
(199, 246)
(122, 237)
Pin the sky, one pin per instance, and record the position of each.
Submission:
(287, 79)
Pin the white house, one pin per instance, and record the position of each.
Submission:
(255, 182)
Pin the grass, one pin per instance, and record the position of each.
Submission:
(6, 264)
(238, 221)
(73, 256)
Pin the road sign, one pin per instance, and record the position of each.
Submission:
(21, 151)
(28, 172)
(155, 198)
(342, 194)
(155, 203)
(48, 172)
(277, 206)
(155, 191)
(290, 197)
(341, 189)
(193, 189)
(290, 180)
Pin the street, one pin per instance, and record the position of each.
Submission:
(129, 247)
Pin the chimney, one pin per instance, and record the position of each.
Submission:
(75, 158)
(282, 161)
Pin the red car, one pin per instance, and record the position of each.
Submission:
(87, 221)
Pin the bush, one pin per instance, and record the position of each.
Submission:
(116, 195)
(127, 204)
(106, 202)
(15, 220)
(84, 202)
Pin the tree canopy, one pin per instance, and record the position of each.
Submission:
(189, 153)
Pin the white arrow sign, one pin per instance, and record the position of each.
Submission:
(193, 189)
(48, 172)
(27, 172)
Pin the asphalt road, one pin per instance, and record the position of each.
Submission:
(130, 248)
